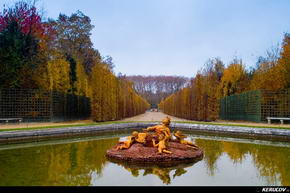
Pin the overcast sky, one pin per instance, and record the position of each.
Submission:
(176, 37)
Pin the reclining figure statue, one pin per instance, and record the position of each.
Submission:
(159, 139)
(180, 138)
(135, 137)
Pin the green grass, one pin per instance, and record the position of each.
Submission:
(63, 126)
(120, 122)
(229, 124)
(76, 125)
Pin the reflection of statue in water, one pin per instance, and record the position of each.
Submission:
(134, 171)
(162, 172)
(179, 172)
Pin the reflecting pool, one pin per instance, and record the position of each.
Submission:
(81, 161)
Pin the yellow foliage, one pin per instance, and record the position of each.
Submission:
(270, 79)
(113, 98)
(82, 83)
(234, 79)
(284, 61)
(58, 73)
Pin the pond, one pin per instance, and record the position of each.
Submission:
(81, 161)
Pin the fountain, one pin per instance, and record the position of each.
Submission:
(156, 145)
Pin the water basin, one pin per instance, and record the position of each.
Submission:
(81, 161)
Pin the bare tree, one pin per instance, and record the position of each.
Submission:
(156, 88)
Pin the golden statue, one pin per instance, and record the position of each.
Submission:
(135, 137)
(162, 144)
(127, 144)
(140, 137)
(160, 139)
(162, 129)
(180, 137)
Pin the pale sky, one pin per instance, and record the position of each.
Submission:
(176, 37)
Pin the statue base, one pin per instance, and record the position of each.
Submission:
(141, 154)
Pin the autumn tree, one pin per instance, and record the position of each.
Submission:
(113, 97)
(199, 100)
(58, 55)
(73, 38)
(22, 38)
(284, 60)
(235, 79)
(268, 74)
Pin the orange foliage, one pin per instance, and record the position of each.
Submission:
(234, 79)
(284, 60)
(199, 101)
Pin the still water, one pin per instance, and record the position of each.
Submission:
(79, 161)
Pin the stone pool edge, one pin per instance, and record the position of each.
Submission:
(67, 131)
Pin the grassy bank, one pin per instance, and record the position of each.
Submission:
(231, 124)
(120, 122)
(63, 126)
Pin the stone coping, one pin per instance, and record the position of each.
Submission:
(35, 133)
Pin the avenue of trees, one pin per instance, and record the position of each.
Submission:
(156, 88)
(58, 55)
(200, 100)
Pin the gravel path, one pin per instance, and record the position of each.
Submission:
(158, 116)
(152, 116)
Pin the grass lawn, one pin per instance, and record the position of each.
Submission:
(120, 122)
(229, 124)
(68, 125)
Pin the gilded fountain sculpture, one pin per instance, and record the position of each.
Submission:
(156, 145)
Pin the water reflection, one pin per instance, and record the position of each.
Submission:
(72, 164)
(272, 162)
(162, 172)
(67, 164)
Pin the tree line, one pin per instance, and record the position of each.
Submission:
(200, 100)
(58, 54)
(156, 88)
